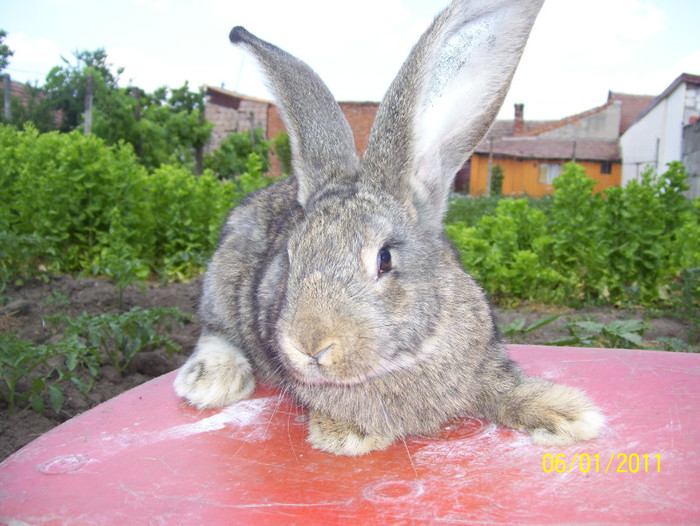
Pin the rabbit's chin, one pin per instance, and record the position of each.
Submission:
(312, 375)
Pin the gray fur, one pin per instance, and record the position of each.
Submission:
(293, 287)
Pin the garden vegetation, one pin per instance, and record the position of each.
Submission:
(135, 201)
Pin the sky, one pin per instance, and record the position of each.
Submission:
(578, 50)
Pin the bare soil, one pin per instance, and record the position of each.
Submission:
(27, 307)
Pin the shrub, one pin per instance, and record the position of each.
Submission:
(497, 177)
(231, 158)
(72, 204)
(62, 188)
(187, 216)
(637, 244)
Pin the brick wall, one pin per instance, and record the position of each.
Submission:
(360, 115)
(274, 126)
(230, 113)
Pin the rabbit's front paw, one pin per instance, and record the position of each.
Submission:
(217, 374)
(342, 438)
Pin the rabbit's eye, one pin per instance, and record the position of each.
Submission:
(383, 261)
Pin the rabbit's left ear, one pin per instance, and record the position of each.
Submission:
(444, 100)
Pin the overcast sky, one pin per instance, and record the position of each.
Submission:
(578, 50)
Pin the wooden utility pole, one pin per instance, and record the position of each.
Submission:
(8, 99)
(488, 181)
(88, 105)
(199, 149)
(251, 120)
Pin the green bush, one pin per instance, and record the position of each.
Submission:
(62, 188)
(497, 177)
(72, 204)
(32, 374)
(507, 252)
(230, 159)
(187, 214)
(117, 338)
(635, 245)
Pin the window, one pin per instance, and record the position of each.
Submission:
(548, 172)
(606, 167)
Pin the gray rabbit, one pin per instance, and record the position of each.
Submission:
(339, 286)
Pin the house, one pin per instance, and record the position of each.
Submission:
(232, 112)
(533, 153)
(666, 131)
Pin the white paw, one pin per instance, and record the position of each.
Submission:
(586, 426)
(564, 416)
(342, 438)
(217, 374)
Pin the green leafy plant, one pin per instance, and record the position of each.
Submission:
(516, 330)
(72, 204)
(497, 177)
(33, 375)
(117, 260)
(281, 147)
(616, 334)
(508, 253)
(231, 159)
(57, 299)
(632, 246)
(119, 337)
(187, 215)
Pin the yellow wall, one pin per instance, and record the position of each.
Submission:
(522, 175)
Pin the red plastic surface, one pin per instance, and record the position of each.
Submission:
(146, 458)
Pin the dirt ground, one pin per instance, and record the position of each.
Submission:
(27, 307)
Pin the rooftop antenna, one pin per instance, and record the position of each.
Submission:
(240, 71)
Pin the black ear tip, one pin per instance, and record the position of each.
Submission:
(237, 34)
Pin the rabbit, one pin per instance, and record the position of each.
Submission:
(338, 284)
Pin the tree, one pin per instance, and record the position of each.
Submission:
(33, 106)
(5, 51)
(283, 150)
(230, 159)
(497, 176)
(65, 86)
(166, 126)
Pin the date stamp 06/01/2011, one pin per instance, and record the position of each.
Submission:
(591, 463)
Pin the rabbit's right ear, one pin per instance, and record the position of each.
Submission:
(444, 100)
(320, 137)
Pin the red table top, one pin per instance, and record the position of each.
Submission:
(146, 458)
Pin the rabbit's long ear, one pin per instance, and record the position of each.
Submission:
(320, 137)
(444, 100)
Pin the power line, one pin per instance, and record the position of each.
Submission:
(10, 68)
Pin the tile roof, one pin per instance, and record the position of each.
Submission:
(211, 90)
(682, 78)
(632, 107)
(528, 144)
(554, 149)
(553, 125)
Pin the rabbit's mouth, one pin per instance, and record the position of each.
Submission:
(337, 363)
(327, 364)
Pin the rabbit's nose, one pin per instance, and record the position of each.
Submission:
(318, 355)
